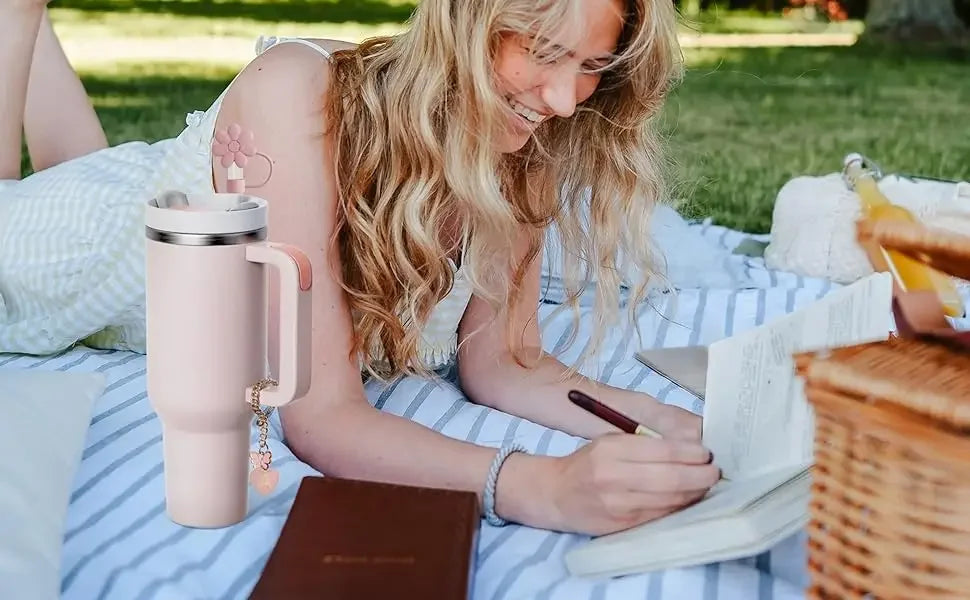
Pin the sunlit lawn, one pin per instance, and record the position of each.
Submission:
(747, 120)
(252, 17)
(742, 123)
(317, 19)
(723, 21)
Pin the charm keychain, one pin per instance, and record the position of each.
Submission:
(235, 146)
(262, 477)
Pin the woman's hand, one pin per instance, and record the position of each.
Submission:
(620, 480)
(670, 421)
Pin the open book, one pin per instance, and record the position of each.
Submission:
(760, 428)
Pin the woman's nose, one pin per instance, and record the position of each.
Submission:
(559, 93)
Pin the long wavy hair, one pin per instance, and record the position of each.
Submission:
(414, 119)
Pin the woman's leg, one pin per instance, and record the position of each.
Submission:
(59, 121)
(19, 23)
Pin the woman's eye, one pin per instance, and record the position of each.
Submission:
(545, 58)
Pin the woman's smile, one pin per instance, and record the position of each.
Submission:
(525, 118)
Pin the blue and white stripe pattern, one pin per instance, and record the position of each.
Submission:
(118, 542)
(71, 251)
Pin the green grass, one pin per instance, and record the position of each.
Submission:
(149, 102)
(723, 21)
(302, 11)
(743, 122)
(345, 19)
(88, 23)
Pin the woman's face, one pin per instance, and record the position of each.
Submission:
(539, 89)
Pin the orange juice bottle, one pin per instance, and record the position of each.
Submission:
(910, 274)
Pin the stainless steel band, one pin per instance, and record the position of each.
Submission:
(205, 239)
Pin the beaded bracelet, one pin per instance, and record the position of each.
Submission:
(489, 495)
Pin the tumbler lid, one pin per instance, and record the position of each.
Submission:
(206, 213)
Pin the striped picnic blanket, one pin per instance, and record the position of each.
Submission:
(118, 542)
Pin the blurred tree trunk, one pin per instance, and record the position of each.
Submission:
(914, 21)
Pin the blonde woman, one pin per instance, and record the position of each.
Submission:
(420, 172)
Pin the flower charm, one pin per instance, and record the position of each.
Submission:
(234, 146)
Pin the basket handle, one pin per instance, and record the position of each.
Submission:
(920, 313)
(943, 250)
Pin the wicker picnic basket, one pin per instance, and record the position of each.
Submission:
(890, 503)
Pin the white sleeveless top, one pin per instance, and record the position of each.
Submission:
(189, 164)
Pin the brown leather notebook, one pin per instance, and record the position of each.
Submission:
(346, 539)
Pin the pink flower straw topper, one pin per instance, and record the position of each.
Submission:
(234, 145)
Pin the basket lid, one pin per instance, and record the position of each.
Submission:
(925, 376)
(925, 369)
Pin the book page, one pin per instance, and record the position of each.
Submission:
(731, 498)
(756, 417)
(726, 502)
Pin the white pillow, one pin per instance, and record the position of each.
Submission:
(689, 260)
(43, 425)
(813, 226)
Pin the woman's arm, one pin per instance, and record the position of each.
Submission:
(333, 428)
(611, 484)
(491, 376)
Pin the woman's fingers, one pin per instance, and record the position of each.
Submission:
(630, 504)
(642, 449)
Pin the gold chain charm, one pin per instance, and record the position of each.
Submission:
(262, 477)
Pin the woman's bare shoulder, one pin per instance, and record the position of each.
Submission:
(292, 67)
(287, 75)
(332, 45)
(280, 98)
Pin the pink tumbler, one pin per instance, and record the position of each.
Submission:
(206, 293)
